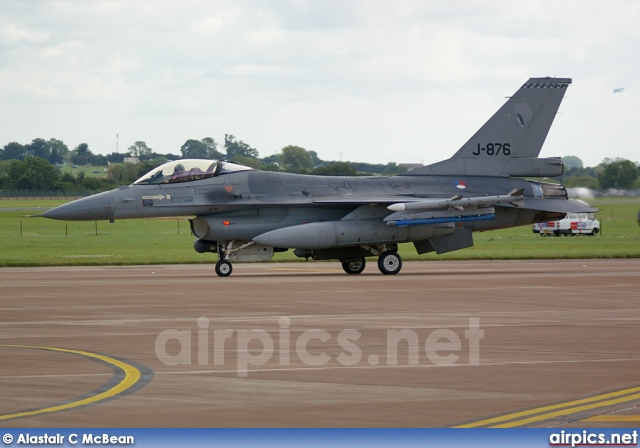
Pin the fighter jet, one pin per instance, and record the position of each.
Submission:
(243, 214)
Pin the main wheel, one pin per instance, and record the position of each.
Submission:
(224, 268)
(389, 263)
(354, 267)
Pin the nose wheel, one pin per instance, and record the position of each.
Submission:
(389, 263)
(224, 268)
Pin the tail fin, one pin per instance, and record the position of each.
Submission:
(509, 143)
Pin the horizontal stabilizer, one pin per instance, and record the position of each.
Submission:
(556, 205)
(471, 166)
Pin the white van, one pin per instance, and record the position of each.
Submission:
(572, 224)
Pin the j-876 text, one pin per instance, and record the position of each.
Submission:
(493, 149)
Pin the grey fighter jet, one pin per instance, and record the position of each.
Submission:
(244, 214)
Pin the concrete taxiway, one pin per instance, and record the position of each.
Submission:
(445, 343)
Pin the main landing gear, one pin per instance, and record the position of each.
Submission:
(224, 268)
(389, 263)
(355, 266)
(353, 263)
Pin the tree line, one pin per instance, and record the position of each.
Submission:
(610, 173)
(36, 165)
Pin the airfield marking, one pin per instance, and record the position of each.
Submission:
(548, 412)
(385, 366)
(126, 374)
(613, 418)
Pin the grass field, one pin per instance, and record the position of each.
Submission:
(88, 170)
(28, 241)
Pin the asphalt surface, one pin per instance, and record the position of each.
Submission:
(475, 343)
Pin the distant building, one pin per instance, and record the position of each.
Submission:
(133, 160)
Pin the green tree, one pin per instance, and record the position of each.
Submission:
(13, 151)
(266, 166)
(32, 173)
(146, 166)
(57, 151)
(392, 169)
(315, 158)
(194, 149)
(572, 162)
(212, 148)
(53, 150)
(272, 159)
(156, 160)
(80, 155)
(620, 173)
(123, 173)
(38, 148)
(139, 149)
(67, 178)
(203, 149)
(98, 159)
(295, 159)
(238, 148)
(116, 157)
(336, 169)
(251, 162)
(93, 183)
(4, 172)
(581, 181)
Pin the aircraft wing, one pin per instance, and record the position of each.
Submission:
(510, 200)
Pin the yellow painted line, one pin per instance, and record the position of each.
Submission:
(546, 411)
(131, 377)
(613, 418)
(568, 411)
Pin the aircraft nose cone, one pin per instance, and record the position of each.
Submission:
(96, 207)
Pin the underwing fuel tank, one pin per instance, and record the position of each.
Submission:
(329, 234)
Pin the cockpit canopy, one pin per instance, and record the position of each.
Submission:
(188, 170)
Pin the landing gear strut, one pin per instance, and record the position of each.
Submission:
(226, 251)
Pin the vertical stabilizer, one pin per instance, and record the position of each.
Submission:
(509, 143)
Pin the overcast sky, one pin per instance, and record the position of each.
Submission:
(378, 81)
